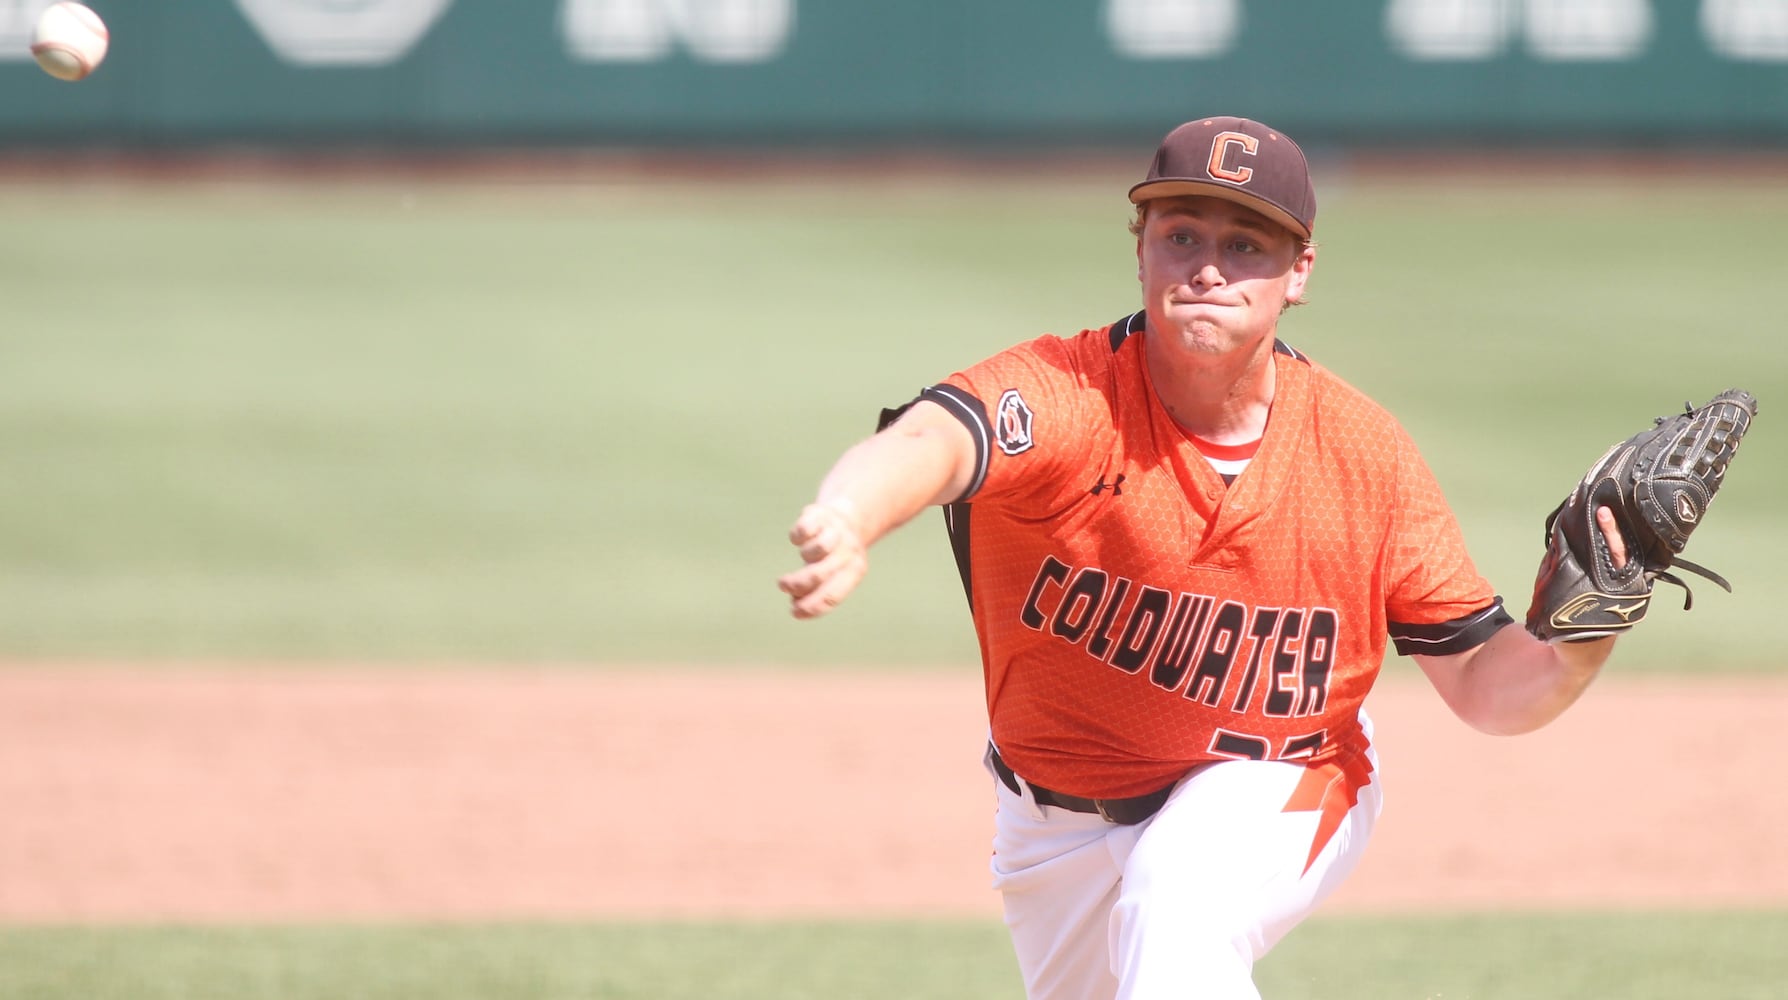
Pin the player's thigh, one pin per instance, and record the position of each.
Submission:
(1244, 850)
(1058, 874)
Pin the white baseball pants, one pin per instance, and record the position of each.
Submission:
(1181, 905)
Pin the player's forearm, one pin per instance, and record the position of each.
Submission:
(925, 458)
(1514, 683)
(882, 482)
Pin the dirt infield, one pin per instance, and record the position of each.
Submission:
(264, 795)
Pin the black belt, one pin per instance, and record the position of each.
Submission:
(1124, 812)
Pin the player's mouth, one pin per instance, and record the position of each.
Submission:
(1182, 303)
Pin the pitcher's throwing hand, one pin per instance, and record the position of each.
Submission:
(832, 548)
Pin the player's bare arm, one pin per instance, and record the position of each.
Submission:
(1622, 527)
(1515, 683)
(925, 458)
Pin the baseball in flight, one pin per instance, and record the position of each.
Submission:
(69, 41)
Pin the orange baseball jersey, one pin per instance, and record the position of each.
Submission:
(1137, 616)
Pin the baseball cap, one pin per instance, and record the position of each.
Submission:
(1239, 160)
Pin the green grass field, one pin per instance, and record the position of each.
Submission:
(1592, 956)
(571, 422)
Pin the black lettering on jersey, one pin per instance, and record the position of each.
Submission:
(1181, 644)
(1217, 653)
(1243, 746)
(1239, 746)
(1265, 621)
(1079, 604)
(1053, 571)
(1141, 630)
(1295, 648)
(1100, 643)
(1282, 687)
(1319, 658)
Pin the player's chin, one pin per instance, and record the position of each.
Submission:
(1198, 332)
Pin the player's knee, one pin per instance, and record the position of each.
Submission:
(1215, 924)
(1159, 943)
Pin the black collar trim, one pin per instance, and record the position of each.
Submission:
(1137, 322)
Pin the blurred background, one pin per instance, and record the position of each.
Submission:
(455, 330)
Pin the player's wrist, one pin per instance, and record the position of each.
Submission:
(844, 510)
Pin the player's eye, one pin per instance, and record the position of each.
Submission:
(1246, 246)
(1180, 239)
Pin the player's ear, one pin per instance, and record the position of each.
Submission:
(1136, 225)
(1301, 265)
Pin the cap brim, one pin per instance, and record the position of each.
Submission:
(1174, 187)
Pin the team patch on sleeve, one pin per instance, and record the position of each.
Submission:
(1012, 423)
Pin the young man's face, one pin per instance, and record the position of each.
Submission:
(1216, 274)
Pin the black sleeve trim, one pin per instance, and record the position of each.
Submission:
(956, 523)
(964, 407)
(973, 414)
(891, 414)
(1448, 638)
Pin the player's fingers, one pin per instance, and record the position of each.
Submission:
(806, 526)
(1617, 543)
(799, 583)
(808, 578)
(821, 544)
(831, 590)
(815, 522)
(815, 576)
(834, 556)
(822, 530)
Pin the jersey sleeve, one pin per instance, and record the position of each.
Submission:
(1026, 409)
(1437, 603)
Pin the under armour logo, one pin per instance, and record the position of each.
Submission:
(1116, 486)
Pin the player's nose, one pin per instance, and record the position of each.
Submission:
(1207, 275)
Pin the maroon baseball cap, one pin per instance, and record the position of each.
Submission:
(1239, 160)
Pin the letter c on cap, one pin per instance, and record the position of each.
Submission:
(1220, 152)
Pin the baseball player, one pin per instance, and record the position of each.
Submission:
(1184, 545)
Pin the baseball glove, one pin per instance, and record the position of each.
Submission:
(1658, 483)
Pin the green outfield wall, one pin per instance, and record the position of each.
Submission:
(678, 71)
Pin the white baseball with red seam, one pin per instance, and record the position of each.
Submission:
(69, 41)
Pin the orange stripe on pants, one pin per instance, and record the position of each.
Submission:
(1332, 787)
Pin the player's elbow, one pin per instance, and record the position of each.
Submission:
(1504, 724)
(1511, 707)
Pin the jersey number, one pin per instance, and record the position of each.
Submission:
(1241, 746)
